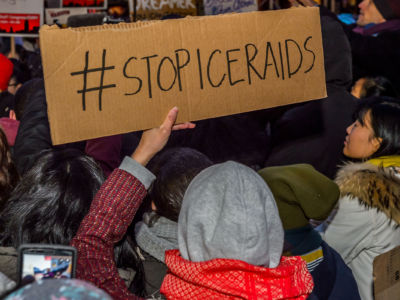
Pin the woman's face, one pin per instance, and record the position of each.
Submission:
(357, 88)
(360, 141)
(369, 13)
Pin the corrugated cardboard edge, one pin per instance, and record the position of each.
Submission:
(140, 24)
(386, 273)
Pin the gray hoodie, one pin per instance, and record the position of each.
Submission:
(229, 212)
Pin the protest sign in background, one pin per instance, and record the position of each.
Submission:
(112, 79)
(215, 7)
(21, 17)
(156, 9)
(60, 15)
(85, 3)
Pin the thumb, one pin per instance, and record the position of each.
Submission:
(170, 119)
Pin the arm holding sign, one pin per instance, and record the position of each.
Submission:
(113, 209)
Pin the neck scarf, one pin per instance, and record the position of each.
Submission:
(373, 29)
(156, 239)
(235, 279)
(386, 161)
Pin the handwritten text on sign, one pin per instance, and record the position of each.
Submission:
(169, 68)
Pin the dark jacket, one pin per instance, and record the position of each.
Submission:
(241, 138)
(314, 132)
(33, 133)
(376, 55)
(154, 273)
(332, 278)
(33, 137)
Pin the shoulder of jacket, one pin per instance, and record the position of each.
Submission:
(373, 186)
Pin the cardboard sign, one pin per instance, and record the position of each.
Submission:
(21, 17)
(85, 3)
(387, 275)
(60, 15)
(113, 79)
(216, 7)
(156, 9)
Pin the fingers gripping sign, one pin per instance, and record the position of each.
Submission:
(153, 140)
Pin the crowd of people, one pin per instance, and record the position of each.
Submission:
(292, 202)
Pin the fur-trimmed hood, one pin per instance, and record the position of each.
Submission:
(373, 186)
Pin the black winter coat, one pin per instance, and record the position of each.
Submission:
(314, 132)
(333, 279)
(33, 135)
(376, 55)
(34, 131)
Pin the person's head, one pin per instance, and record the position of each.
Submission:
(8, 172)
(376, 131)
(229, 212)
(373, 86)
(301, 193)
(20, 75)
(174, 170)
(50, 201)
(378, 11)
(6, 70)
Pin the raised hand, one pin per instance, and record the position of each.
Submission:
(153, 140)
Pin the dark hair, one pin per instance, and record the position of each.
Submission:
(8, 172)
(50, 201)
(174, 169)
(377, 86)
(385, 122)
(6, 104)
(21, 72)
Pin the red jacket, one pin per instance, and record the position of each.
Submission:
(235, 279)
(110, 214)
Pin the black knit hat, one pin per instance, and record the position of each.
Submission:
(389, 9)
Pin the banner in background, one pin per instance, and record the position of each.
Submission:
(85, 3)
(21, 17)
(60, 15)
(157, 9)
(216, 7)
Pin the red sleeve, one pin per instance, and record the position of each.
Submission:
(110, 214)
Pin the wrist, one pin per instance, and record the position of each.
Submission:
(141, 156)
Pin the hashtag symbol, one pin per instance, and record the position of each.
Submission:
(85, 71)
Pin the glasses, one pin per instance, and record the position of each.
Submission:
(12, 84)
